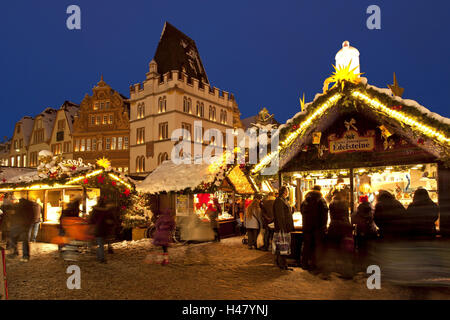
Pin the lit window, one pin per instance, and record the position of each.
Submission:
(94, 144)
(119, 143)
(110, 119)
(163, 131)
(88, 144)
(113, 143)
(82, 147)
(108, 143)
(105, 119)
(125, 142)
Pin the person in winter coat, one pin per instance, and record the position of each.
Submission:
(253, 221)
(339, 237)
(21, 220)
(213, 214)
(267, 219)
(390, 216)
(283, 221)
(165, 224)
(103, 219)
(365, 228)
(314, 212)
(7, 206)
(422, 215)
(37, 211)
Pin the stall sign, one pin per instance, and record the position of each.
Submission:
(182, 205)
(351, 141)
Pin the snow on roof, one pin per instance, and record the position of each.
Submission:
(176, 177)
(71, 110)
(48, 119)
(14, 175)
(27, 123)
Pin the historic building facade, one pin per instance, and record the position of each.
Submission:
(40, 137)
(20, 142)
(102, 128)
(175, 94)
(61, 136)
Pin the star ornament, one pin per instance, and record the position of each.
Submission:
(104, 163)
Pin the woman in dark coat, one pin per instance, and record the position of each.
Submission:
(422, 215)
(390, 216)
(283, 221)
(165, 224)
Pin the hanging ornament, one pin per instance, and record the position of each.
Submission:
(295, 127)
(113, 183)
(350, 124)
(85, 181)
(126, 192)
(396, 107)
(316, 137)
(123, 208)
(385, 132)
(101, 179)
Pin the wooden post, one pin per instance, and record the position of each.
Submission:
(444, 199)
(280, 180)
(299, 194)
(352, 187)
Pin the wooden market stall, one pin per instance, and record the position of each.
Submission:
(56, 186)
(188, 188)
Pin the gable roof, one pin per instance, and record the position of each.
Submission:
(27, 124)
(176, 51)
(401, 115)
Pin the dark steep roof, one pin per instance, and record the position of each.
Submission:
(176, 51)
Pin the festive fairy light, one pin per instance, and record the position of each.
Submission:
(293, 135)
(35, 187)
(113, 176)
(374, 103)
(77, 179)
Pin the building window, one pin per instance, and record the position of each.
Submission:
(108, 144)
(82, 145)
(18, 128)
(88, 144)
(200, 109)
(12, 161)
(61, 124)
(140, 164)
(119, 143)
(141, 111)
(198, 134)
(163, 131)
(24, 160)
(39, 135)
(96, 106)
(102, 105)
(162, 157)
(212, 113)
(187, 103)
(223, 116)
(94, 144)
(162, 104)
(77, 145)
(98, 120)
(111, 119)
(105, 119)
(21, 143)
(33, 159)
(140, 135)
(107, 104)
(113, 143)
(56, 148)
(16, 144)
(66, 147)
(92, 120)
(18, 161)
(125, 143)
(187, 133)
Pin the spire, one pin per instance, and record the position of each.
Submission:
(395, 88)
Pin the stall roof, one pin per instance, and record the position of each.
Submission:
(169, 177)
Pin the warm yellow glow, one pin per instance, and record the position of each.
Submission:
(239, 181)
(93, 173)
(342, 74)
(36, 187)
(217, 163)
(104, 163)
(428, 131)
(113, 176)
(294, 134)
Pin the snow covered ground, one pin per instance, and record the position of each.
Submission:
(225, 270)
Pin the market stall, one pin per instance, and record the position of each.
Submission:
(188, 189)
(362, 139)
(56, 183)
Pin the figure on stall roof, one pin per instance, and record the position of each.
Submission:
(340, 243)
(267, 219)
(253, 221)
(102, 217)
(390, 216)
(213, 214)
(422, 215)
(165, 225)
(284, 223)
(314, 212)
(21, 220)
(366, 229)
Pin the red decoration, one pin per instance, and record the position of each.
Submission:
(120, 195)
(396, 107)
(85, 181)
(101, 179)
(295, 127)
(203, 198)
(420, 141)
(126, 192)
(114, 183)
(4, 180)
(123, 207)
(247, 202)
(73, 168)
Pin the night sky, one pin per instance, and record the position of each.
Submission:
(265, 52)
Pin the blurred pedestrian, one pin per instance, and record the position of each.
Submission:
(212, 212)
(422, 215)
(390, 216)
(69, 210)
(267, 219)
(7, 206)
(284, 224)
(102, 218)
(165, 224)
(314, 212)
(366, 229)
(37, 213)
(253, 221)
(21, 220)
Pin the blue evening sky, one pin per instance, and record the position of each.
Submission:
(266, 52)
